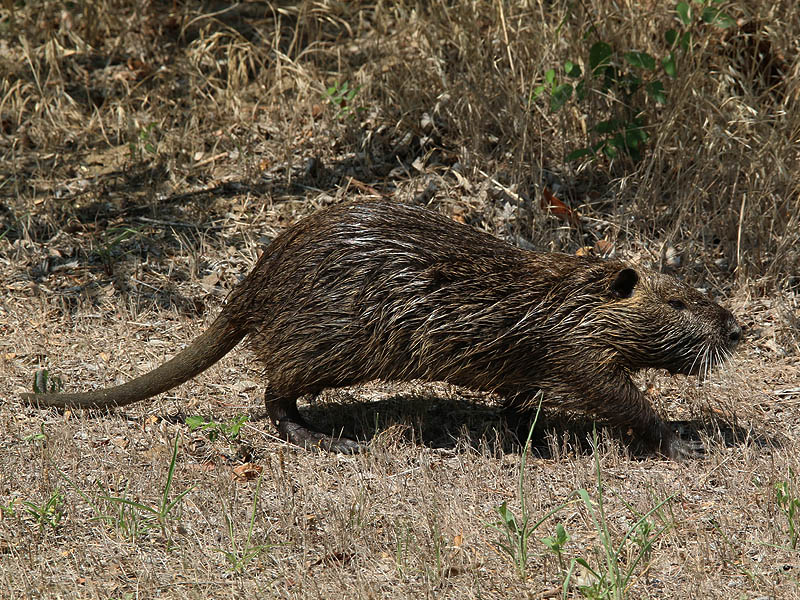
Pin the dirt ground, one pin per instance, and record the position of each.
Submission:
(149, 150)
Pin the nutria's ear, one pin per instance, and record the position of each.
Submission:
(624, 283)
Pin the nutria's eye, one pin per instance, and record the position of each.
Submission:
(677, 304)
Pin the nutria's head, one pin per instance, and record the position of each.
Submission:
(655, 321)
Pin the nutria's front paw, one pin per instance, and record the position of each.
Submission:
(678, 449)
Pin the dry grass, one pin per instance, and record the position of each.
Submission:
(149, 149)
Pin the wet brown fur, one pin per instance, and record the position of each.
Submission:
(375, 289)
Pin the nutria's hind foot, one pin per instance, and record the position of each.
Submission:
(293, 428)
(300, 434)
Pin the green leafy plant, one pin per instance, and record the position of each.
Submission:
(789, 503)
(127, 518)
(49, 513)
(624, 80)
(516, 531)
(213, 429)
(341, 96)
(240, 557)
(613, 574)
(643, 537)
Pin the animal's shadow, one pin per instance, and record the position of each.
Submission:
(450, 422)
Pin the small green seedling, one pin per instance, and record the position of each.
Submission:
(38, 437)
(789, 504)
(10, 509)
(555, 543)
(139, 517)
(341, 96)
(213, 429)
(240, 557)
(112, 238)
(144, 143)
(50, 513)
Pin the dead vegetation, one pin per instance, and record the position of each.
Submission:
(149, 149)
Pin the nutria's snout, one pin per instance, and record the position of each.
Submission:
(731, 330)
(734, 331)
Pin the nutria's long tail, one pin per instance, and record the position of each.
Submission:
(204, 351)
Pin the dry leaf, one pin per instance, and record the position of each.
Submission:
(204, 466)
(247, 471)
(604, 248)
(556, 207)
(209, 281)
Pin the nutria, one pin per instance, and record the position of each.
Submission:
(378, 290)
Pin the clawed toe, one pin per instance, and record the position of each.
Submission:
(342, 445)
